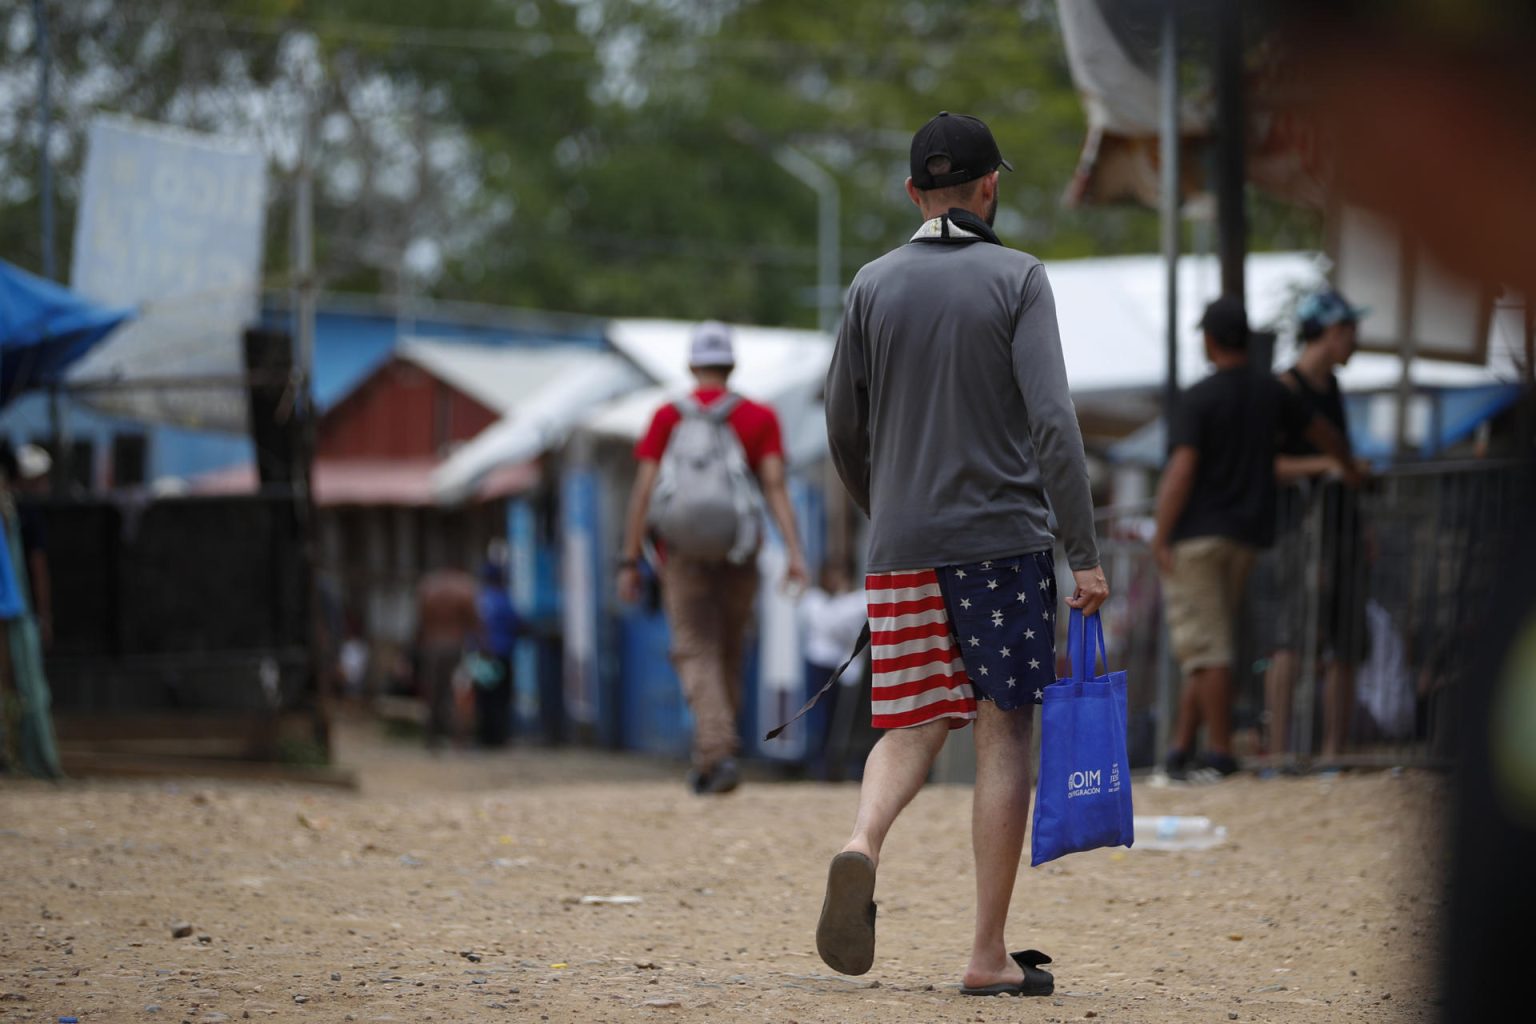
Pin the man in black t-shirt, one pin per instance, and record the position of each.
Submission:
(1215, 510)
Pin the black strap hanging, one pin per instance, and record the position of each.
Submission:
(858, 648)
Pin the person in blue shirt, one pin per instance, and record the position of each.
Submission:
(493, 670)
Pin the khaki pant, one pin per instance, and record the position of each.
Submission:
(1203, 594)
(708, 605)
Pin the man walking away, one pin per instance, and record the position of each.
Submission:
(951, 426)
(447, 626)
(706, 465)
(1215, 510)
(493, 695)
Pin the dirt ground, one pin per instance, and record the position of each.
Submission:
(451, 889)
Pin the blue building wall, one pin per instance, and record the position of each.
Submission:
(350, 342)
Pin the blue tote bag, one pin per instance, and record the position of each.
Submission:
(1083, 800)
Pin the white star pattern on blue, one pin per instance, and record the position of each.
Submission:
(992, 600)
(1039, 695)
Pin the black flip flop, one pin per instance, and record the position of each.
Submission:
(845, 935)
(1035, 982)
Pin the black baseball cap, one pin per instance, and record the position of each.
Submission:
(968, 143)
(1226, 320)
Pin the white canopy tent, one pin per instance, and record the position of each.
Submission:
(1113, 313)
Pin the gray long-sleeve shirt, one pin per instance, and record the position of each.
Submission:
(948, 412)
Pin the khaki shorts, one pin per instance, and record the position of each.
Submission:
(1204, 593)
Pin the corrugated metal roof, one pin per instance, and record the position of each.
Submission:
(501, 377)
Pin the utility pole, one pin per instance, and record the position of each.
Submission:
(45, 132)
(1231, 142)
(303, 406)
(1169, 151)
(1168, 76)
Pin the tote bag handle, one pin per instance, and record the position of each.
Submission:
(1085, 645)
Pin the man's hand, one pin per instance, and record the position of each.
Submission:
(628, 584)
(1092, 590)
(1163, 554)
(795, 575)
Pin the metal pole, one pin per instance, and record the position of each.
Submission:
(1169, 144)
(45, 132)
(828, 244)
(1405, 342)
(304, 263)
(1168, 80)
(1231, 136)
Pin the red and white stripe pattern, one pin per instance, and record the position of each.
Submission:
(919, 675)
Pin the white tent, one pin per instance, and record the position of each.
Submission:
(1112, 312)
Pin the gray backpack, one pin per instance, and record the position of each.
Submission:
(706, 504)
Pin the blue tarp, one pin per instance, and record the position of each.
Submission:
(44, 327)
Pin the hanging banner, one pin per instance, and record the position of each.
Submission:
(170, 222)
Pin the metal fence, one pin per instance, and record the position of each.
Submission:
(1368, 599)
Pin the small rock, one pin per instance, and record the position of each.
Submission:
(335, 975)
(1231, 1016)
(646, 965)
(151, 1008)
(661, 1002)
(180, 930)
(1385, 996)
(301, 999)
(1091, 1013)
(470, 955)
(205, 939)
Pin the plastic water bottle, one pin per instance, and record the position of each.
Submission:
(1177, 832)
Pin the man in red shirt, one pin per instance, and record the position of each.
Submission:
(709, 602)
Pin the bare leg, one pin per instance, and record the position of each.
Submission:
(1190, 708)
(893, 773)
(999, 810)
(1279, 679)
(1338, 706)
(1215, 688)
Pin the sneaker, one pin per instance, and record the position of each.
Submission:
(698, 782)
(1176, 765)
(725, 777)
(1222, 764)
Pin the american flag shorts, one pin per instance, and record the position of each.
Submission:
(942, 638)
